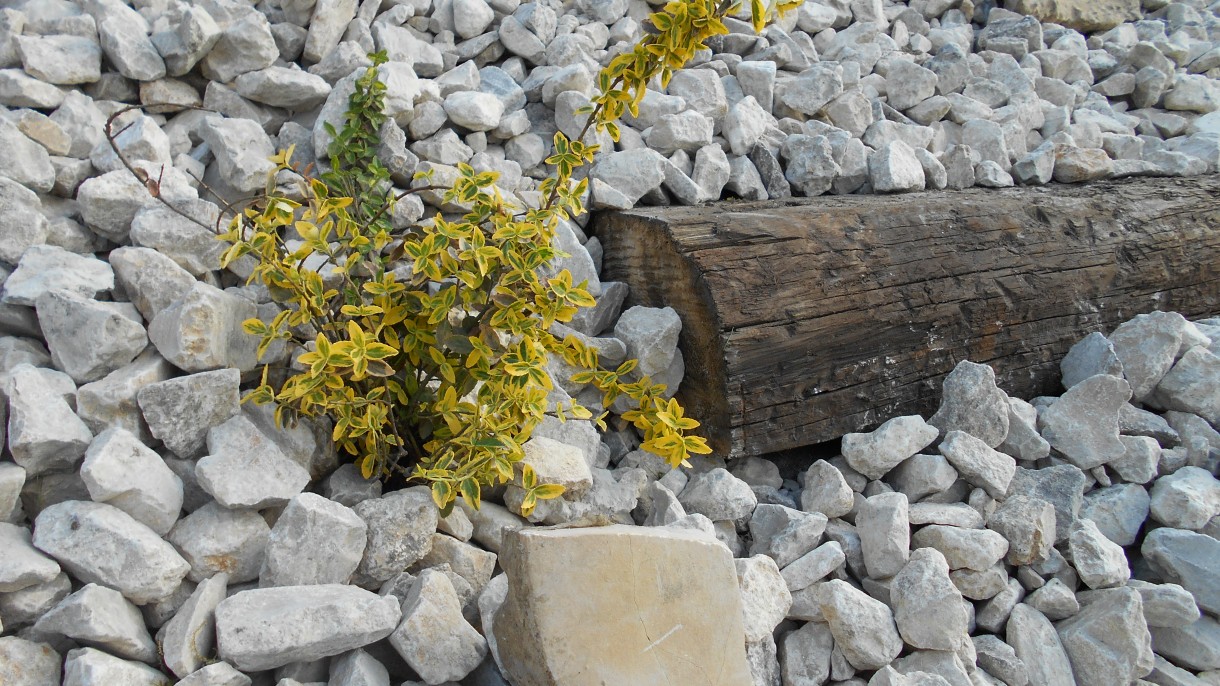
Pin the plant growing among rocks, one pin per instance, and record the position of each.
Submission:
(429, 346)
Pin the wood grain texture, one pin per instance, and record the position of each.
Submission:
(805, 319)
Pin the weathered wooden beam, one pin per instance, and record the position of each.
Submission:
(805, 319)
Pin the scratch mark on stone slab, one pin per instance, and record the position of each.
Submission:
(657, 642)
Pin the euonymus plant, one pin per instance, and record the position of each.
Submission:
(428, 347)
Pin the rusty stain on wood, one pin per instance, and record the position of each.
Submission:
(804, 319)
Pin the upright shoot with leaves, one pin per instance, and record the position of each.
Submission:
(428, 346)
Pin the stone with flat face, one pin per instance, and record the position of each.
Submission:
(676, 622)
(314, 541)
(971, 402)
(1107, 642)
(1195, 646)
(99, 543)
(121, 471)
(187, 640)
(1035, 641)
(876, 453)
(26, 663)
(101, 617)
(863, 627)
(270, 627)
(1188, 559)
(88, 666)
(434, 638)
(1083, 423)
(928, 608)
(180, 411)
(23, 565)
(245, 469)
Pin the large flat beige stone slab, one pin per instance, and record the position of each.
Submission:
(620, 605)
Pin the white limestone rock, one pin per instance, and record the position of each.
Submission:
(44, 434)
(270, 627)
(1037, 644)
(718, 495)
(928, 608)
(971, 402)
(109, 203)
(434, 638)
(23, 160)
(885, 533)
(1190, 385)
(875, 454)
(246, 44)
(1099, 561)
(893, 168)
(246, 469)
(817, 564)
(22, 223)
(1186, 499)
(1108, 639)
(23, 566)
(326, 27)
(242, 149)
(46, 268)
(180, 411)
(185, 37)
(686, 130)
(908, 84)
(140, 138)
(291, 89)
(119, 470)
(633, 173)
(29, 663)
(784, 534)
(826, 491)
(102, 618)
(400, 528)
(89, 666)
(976, 549)
(216, 540)
(863, 628)
(202, 331)
(99, 543)
(187, 640)
(114, 335)
(314, 541)
(978, 464)
(1029, 526)
(1083, 423)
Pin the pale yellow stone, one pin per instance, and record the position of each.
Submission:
(620, 605)
(1082, 15)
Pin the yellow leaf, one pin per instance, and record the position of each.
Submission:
(548, 491)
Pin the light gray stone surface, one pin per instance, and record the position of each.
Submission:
(23, 566)
(187, 640)
(120, 470)
(885, 533)
(928, 608)
(216, 539)
(314, 541)
(102, 618)
(245, 468)
(876, 453)
(863, 628)
(1108, 639)
(1038, 645)
(1186, 558)
(972, 403)
(99, 543)
(400, 528)
(271, 627)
